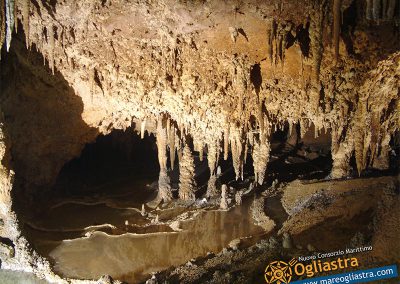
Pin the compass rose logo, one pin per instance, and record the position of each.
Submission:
(279, 272)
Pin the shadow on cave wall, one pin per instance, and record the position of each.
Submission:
(43, 117)
(112, 162)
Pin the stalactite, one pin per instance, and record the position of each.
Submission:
(269, 44)
(168, 125)
(51, 43)
(316, 131)
(337, 4)
(246, 152)
(172, 147)
(376, 9)
(226, 142)
(15, 15)
(25, 21)
(91, 82)
(142, 128)
(316, 30)
(390, 9)
(199, 146)
(303, 128)
(187, 183)
(2, 23)
(384, 8)
(10, 22)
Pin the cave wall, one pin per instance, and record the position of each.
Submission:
(42, 115)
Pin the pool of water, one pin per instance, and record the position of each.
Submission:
(16, 277)
(131, 257)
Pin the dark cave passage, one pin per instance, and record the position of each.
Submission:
(117, 157)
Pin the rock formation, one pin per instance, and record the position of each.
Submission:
(187, 185)
(224, 197)
(227, 78)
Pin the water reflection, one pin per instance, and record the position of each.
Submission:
(132, 257)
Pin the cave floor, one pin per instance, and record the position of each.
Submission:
(102, 230)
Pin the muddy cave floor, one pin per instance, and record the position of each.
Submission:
(100, 229)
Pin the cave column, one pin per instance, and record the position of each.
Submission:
(381, 161)
(164, 187)
(187, 185)
(212, 159)
(341, 154)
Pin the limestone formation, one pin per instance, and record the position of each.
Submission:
(182, 69)
(224, 197)
(143, 211)
(259, 216)
(238, 197)
(187, 185)
(164, 187)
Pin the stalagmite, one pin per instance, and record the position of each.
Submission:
(212, 186)
(212, 159)
(187, 183)
(143, 212)
(381, 162)
(222, 96)
(164, 188)
(224, 198)
(341, 154)
(238, 197)
(237, 154)
(260, 155)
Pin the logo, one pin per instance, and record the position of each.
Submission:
(279, 272)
